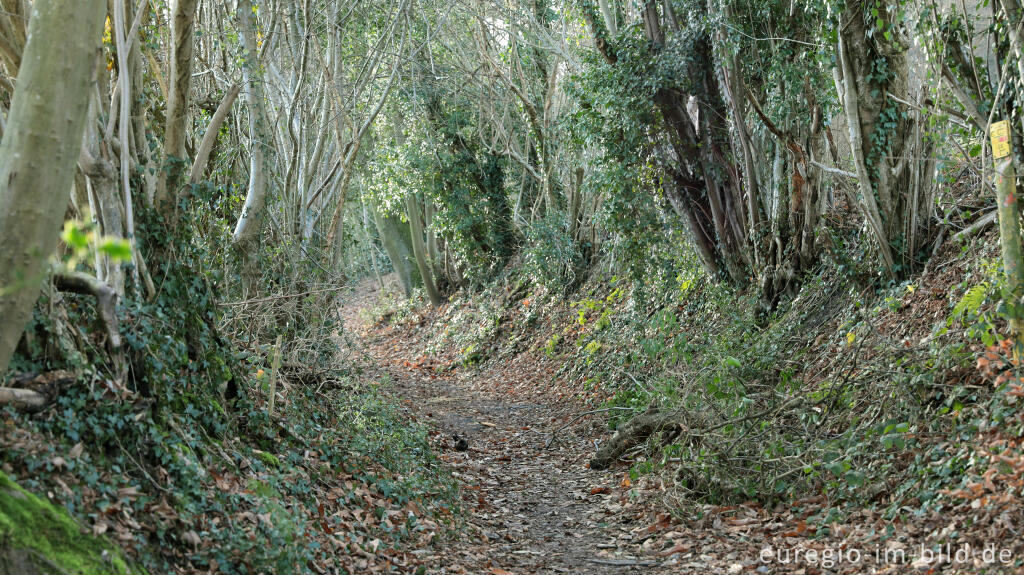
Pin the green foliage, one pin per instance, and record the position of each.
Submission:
(982, 309)
(551, 258)
(81, 238)
(441, 158)
(192, 408)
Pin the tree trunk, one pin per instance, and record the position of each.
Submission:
(210, 137)
(247, 229)
(183, 33)
(1010, 240)
(894, 162)
(419, 249)
(397, 248)
(39, 150)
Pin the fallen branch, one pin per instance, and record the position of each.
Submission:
(975, 228)
(23, 398)
(633, 433)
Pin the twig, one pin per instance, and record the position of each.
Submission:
(139, 465)
(758, 415)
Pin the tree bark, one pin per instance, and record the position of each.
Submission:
(412, 210)
(183, 33)
(210, 137)
(1010, 241)
(247, 229)
(25, 399)
(397, 248)
(39, 150)
(106, 309)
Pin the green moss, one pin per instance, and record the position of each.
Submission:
(39, 537)
(269, 458)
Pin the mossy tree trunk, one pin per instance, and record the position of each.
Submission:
(397, 246)
(894, 161)
(39, 150)
(1010, 240)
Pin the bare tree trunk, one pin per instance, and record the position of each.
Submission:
(39, 151)
(412, 209)
(246, 236)
(183, 32)
(210, 138)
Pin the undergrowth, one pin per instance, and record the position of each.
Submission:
(850, 391)
(182, 461)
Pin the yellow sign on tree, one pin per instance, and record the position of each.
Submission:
(1000, 134)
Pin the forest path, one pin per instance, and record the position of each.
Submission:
(533, 505)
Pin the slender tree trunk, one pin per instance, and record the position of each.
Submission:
(183, 33)
(419, 249)
(1010, 240)
(39, 150)
(247, 229)
(210, 137)
(372, 245)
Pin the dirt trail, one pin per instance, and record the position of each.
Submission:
(535, 506)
